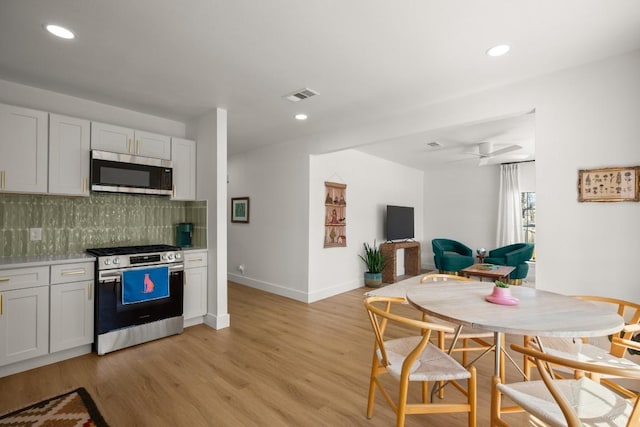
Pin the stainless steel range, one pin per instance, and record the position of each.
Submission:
(139, 295)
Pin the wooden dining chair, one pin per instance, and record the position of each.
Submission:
(472, 339)
(567, 402)
(409, 357)
(581, 349)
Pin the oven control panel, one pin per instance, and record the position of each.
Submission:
(123, 261)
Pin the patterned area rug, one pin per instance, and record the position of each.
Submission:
(73, 409)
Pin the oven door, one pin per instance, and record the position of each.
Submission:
(135, 296)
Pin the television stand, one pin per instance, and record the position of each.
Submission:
(411, 260)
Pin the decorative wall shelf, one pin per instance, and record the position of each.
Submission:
(335, 215)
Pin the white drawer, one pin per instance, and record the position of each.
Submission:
(194, 259)
(21, 278)
(67, 273)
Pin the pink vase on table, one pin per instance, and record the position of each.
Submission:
(501, 293)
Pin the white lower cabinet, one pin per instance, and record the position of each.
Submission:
(24, 323)
(72, 293)
(71, 315)
(195, 285)
(44, 310)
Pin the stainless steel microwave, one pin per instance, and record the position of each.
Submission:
(124, 173)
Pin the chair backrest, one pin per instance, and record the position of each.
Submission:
(441, 277)
(629, 311)
(440, 246)
(379, 310)
(542, 361)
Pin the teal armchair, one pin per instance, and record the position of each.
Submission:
(515, 255)
(450, 255)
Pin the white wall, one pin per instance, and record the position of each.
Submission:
(528, 177)
(210, 132)
(281, 248)
(585, 117)
(372, 184)
(461, 203)
(273, 247)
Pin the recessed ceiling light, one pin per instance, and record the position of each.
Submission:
(499, 50)
(59, 31)
(301, 117)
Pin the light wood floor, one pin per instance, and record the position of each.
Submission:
(281, 363)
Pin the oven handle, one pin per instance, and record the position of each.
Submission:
(116, 275)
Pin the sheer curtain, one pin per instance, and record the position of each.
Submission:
(509, 209)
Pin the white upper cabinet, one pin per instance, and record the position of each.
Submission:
(152, 145)
(69, 146)
(23, 150)
(118, 139)
(183, 159)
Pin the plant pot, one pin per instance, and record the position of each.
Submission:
(502, 293)
(373, 280)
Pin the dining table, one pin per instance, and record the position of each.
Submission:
(534, 312)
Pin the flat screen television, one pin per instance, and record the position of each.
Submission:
(399, 222)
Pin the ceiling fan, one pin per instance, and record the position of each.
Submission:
(485, 151)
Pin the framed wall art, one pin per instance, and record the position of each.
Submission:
(608, 184)
(240, 209)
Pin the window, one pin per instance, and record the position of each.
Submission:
(528, 203)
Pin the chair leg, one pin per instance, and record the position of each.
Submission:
(372, 386)
(465, 344)
(402, 401)
(426, 395)
(441, 346)
(526, 363)
(472, 397)
(496, 402)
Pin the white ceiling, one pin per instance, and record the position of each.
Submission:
(460, 145)
(367, 58)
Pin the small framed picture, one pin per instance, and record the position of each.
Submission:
(608, 185)
(240, 209)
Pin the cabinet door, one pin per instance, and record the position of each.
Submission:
(183, 158)
(152, 145)
(195, 292)
(71, 315)
(24, 324)
(23, 150)
(69, 144)
(112, 138)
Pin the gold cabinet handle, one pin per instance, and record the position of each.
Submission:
(89, 291)
(2, 180)
(174, 191)
(73, 272)
(130, 145)
(138, 146)
(195, 260)
(0, 304)
(5, 279)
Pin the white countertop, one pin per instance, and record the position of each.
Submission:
(39, 260)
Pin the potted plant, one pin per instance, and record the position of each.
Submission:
(374, 261)
(501, 290)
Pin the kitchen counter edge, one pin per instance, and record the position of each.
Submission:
(40, 260)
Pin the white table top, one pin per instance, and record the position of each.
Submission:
(538, 313)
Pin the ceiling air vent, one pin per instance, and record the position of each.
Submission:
(301, 94)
